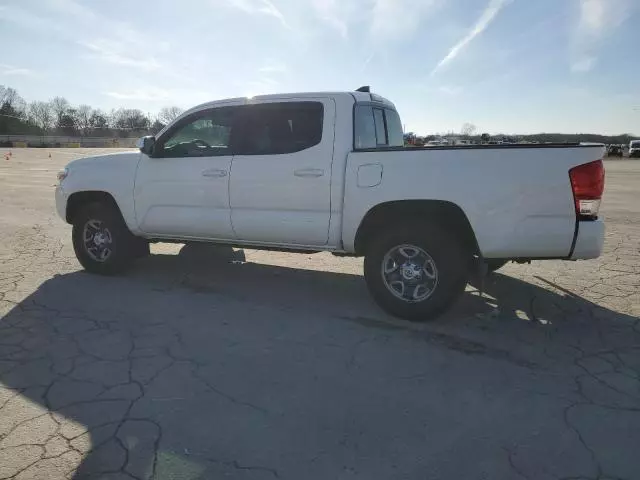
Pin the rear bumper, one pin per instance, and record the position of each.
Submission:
(589, 241)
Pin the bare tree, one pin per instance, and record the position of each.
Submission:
(68, 123)
(8, 95)
(129, 119)
(468, 129)
(99, 123)
(41, 114)
(59, 106)
(169, 114)
(83, 118)
(11, 103)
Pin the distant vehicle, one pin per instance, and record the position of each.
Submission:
(634, 148)
(329, 172)
(614, 151)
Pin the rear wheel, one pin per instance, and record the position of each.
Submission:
(415, 274)
(102, 242)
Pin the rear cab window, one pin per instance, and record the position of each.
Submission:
(376, 126)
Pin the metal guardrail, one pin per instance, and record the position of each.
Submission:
(66, 141)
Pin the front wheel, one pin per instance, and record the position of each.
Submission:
(102, 242)
(416, 274)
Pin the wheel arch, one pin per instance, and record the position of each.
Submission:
(80, 199)
(446, 214)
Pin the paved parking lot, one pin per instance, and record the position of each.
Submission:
(208, 363)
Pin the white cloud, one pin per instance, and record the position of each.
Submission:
(73, 9)
(258, 7)
(583, 64)
(592, 15)
(261, 86)
(394, 19)
(117, 53)
(452, 90)
(386, 20)
(488, 15)
(110, 41)
(13, 70)
(599, 17)
(596, 20)
(28, 20)
(368, 60)
(273, 67)
(149, 94)
(335, 13)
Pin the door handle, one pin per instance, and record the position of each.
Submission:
(308, 172)
(214, 172)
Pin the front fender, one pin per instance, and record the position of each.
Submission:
(113, 174)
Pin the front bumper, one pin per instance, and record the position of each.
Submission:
(589, 241)
(61, 202)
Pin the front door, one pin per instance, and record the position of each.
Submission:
(280, 186)
(182, 191)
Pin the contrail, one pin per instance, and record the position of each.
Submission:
(481, 25)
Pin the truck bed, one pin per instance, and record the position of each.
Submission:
(517, 198)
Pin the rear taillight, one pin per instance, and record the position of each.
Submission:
(587, 183)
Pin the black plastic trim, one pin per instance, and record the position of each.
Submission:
(479, 147)
(575, 237)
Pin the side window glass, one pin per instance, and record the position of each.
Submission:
(394, 128)
(280, 128)
(381, 131)
(364, 128)
(204, 134)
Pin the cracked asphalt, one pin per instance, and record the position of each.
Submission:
(208, 363)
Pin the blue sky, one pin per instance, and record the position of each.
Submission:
(504, 65)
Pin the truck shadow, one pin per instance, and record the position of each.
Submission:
(92, 349)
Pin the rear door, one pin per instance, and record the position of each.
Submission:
(281, 172)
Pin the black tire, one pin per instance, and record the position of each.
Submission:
(141, 247)
(494, 264)
(451, 266)
(122, 244)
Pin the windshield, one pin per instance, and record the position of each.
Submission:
(635, 144)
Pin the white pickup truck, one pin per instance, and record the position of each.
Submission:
(329, 172)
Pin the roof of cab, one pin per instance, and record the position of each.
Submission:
(357, 96)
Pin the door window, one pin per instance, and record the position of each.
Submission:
(279, 128)
(203, 134)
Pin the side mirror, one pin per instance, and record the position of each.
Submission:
(146, 144)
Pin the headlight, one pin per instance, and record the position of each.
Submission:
(62, 174)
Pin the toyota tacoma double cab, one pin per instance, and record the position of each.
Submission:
(330, 172)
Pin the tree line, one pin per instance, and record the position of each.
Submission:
(59, 117)
(469, 132)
